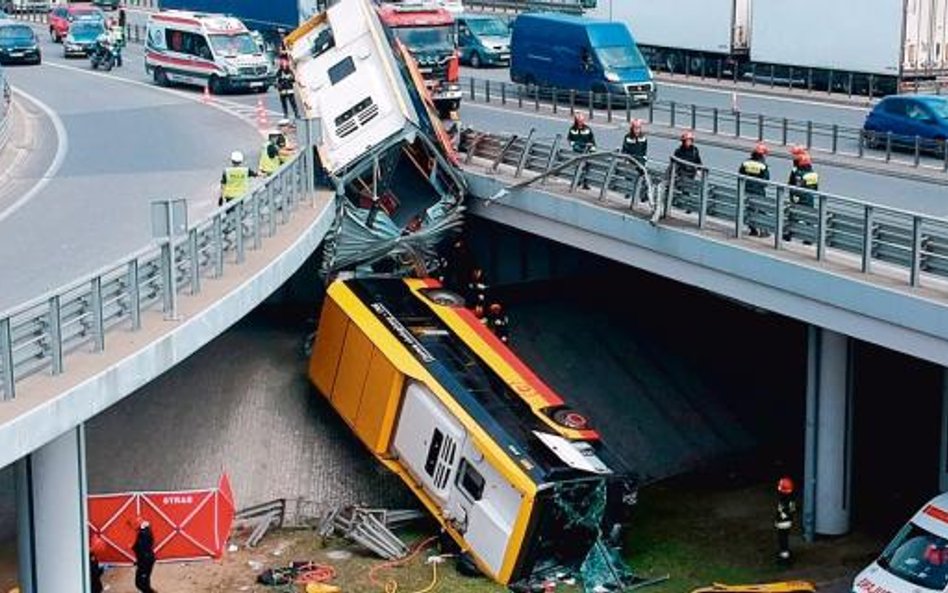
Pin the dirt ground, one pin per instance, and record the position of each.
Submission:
(694, 530)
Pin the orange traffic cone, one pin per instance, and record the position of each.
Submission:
(262, 122)
(207, 95)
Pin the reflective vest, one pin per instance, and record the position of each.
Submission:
(811, 180)
(236, 182)
(268, 165)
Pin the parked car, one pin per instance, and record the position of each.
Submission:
(18, 43)
(62, 16)
(106, 4)
(483, 40)
(82, 36)
(907, 117)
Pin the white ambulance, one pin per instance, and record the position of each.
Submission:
(205, 50)
(916, 560)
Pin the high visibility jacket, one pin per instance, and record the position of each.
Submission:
(786, 508)
(268, 164)
(807, 178)
(581, 139)
(236, 182)
(755, 168)
(635, 146)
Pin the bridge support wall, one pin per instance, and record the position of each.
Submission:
(828, 461)
(51, 516)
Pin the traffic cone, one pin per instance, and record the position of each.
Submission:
(262, 122)
(207, 95)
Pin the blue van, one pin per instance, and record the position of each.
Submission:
(483, 40)
(571, 52)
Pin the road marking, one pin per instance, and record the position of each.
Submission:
(62, 139)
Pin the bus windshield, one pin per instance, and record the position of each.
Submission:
(233, 45)
(426, 38)
(917, 556)
(620, 57)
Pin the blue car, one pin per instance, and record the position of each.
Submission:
(908, 117)
(483, 40)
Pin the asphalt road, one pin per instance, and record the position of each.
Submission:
(118, 142)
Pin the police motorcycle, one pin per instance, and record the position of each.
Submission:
(104, 54)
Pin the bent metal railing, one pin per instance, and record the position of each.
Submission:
(827, 225)
(38, 335)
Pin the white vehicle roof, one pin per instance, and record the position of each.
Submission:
(933, 517)
(207, 22)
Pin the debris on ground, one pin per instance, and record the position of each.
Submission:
(297, 573)
(370, 528)
(258, 519)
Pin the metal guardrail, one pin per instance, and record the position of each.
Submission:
(38, 335)
(828, 138)
(6, 111)
(565, 6)
(913, 242)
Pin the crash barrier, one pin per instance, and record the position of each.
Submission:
(187, 525)
(565, 6)
(734, 123)
(908, 241)
(37, 336)
(6, 111)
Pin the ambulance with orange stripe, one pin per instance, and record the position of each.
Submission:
(520, 480)
(916, 560)
(201, 49)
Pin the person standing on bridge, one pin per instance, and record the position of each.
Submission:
(799, 212)
(144, 549)
(235, 182)
(755, 192)
(285, 81)
(582, 141)
(786, 509)
(635, 145)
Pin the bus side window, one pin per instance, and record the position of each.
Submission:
(470, 481)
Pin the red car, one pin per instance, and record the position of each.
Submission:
(60, 18)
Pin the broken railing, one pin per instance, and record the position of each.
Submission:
(827, 225)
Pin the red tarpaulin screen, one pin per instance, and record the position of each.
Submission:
(188, 525)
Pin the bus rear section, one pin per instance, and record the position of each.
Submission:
(451, 411)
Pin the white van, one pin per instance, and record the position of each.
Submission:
(916, 559)
(205, 50)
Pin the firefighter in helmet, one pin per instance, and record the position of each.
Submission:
(783, 522)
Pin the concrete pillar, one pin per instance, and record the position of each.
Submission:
(826, 496)
(51, 499)
(943, 461)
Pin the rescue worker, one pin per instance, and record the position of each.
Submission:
(755, 191)
(117, 39)
(235, 182)
(786, 509)
(635, 144)
(803, 176)
(281, 138)
(96, 546)
(285, 79)
(476, 290)
(686, 173)
(497, 322)
(269, 156)
(582, 141)
(144, 549)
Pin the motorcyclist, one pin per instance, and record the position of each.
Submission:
(116, 34)
(103, 48)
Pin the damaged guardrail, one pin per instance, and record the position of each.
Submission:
(38, 336)
(826, 224)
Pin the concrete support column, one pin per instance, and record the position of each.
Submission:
(51, 512)
(826, 495)
(943, 466)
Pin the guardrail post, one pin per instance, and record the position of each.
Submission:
(714, 121)
(536, 98)
(195, 256)
(592, 105)
(821, 228)
(487, 90)
(572, 101)
(739, 215)
(703, 198)
(944, 154)
(918, 149)
(134, 295)
(556, 100)
(783, 131)
(790, 79)
(860, 145)
(773, 75)
(503, 92)
(651, 111)
(238, 213)
(872, 86)
(473, 95)
(520, 96)
(916, 250)
(868, 222)
(256, 220)
(809, 80)
(218, 234)
(527, 147)
(671, 116)
(849, 85)
(694, 116)
(888, 146)
(609, 107)
(98, 315)
(6, 361)
(554, 153)
(829, 83)
(628, 109)
(835, 137)
(720, 68)
(781, 217)
(737, 124)
(55, 335)
(760, 127)
(809, 134)
(753, 74)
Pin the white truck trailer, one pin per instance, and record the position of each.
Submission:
(843, 43)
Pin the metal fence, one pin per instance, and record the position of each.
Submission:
(37, 336)
(6, 110)
(916, 244)
(564, 6)
(817, 136)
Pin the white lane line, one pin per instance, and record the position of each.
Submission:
(62, 146)
(810, 102)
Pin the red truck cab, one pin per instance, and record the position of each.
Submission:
(428, 31)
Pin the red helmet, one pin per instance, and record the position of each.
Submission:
(761, 149)
(635, 124)
(579, 119)
(688, 135)
(797, 150)
(803, 159)
(785, 485)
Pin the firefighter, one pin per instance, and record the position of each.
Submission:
(786, 509)
(498, 322)
(269, 155)
(688, 152)
(803, 175)
(755, 191)
(635, 144)
(144, 548)
(285, 79)
(235, 181)
(96, 547)
(582, 141)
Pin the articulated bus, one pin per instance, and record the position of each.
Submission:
(519, 480)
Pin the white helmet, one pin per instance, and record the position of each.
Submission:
(236, 157)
